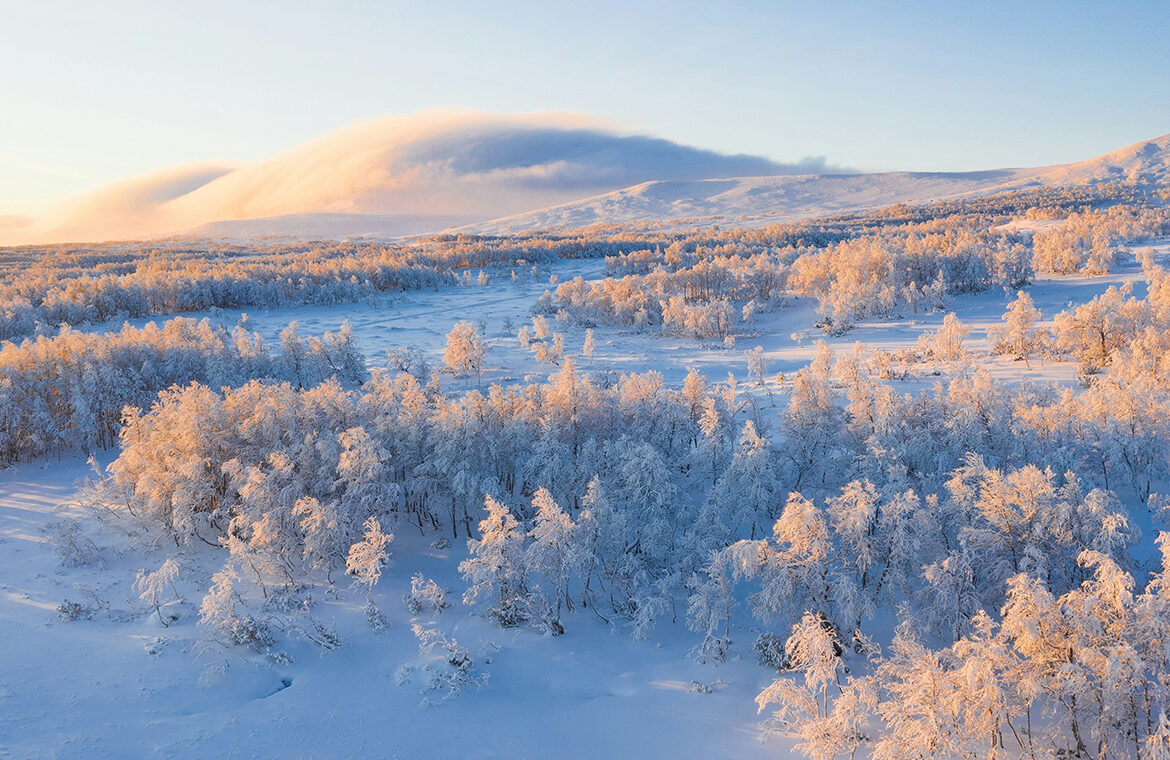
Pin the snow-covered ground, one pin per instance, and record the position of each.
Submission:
(787, 335)
(122, 685)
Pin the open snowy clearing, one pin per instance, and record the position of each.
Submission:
(421, 320)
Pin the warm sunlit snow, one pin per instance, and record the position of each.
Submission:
(123, 685)
(727, 459)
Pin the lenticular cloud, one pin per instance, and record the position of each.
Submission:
(454, 164)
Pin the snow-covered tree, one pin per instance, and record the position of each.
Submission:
(496, 569)
(152, 587)
(1019, 335)
(747, 495)
(425, 595)
(368, 557)
(553, 551)
(946, 344)
(828, 716)
(466, 350)
(590, 347)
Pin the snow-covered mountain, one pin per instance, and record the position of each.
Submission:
(487, 173)
(758, 201)
(391, 176)
(754, 201)
(1148, 160)
(744, 201)
(332, 226)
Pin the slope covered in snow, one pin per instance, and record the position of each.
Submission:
(427, 172)
(331, 226)
(755, 201)
(751, 201)
(758, 201)
(1146, 161)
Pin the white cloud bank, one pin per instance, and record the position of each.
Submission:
(445, 163)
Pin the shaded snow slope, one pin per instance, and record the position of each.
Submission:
(756, 201)
(759, 201)
(332, 226)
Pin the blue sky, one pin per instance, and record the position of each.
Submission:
(92, 92)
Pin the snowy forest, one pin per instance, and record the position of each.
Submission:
(928, 535)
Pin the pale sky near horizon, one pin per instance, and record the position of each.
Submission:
(95, 92)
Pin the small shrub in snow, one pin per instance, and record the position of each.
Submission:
(287, 599)
(453, 675)
(713, 648)
(219, 614)
(1159, 506)
(424, 595)
(769, 648)
(411, 361)
(324, 636)
(154, 647)
(72, 547)
(152, 588)
(552, 350)
(71, 612)
(543, 617)
(278, 658)
(253, 633)
(376, 619)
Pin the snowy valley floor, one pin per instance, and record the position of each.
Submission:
(122, 685)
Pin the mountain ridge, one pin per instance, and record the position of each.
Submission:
(781, 198)
(498, 174)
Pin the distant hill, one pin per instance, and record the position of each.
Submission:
(759, 201)
(447, 165)
(483, 173)
(753, 201)
(331, 226)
